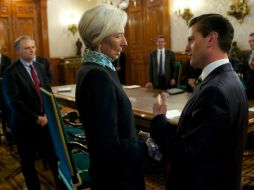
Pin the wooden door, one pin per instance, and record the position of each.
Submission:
(23, 17)
(25, 20)
(146, 21)
(135, 51)
(6, 28)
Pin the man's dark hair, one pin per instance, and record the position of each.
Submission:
(252, 34)
(160, 36)
(208, 23)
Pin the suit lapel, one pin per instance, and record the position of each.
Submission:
(155, 61)
(221, 69)
(166, 65)
(24, 74)
(196, 95)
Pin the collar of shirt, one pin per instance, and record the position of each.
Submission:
(162, 49)
(212, 66)
(27, 66)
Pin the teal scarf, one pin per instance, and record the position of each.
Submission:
(98, 58)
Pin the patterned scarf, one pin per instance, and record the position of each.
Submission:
(98, 58)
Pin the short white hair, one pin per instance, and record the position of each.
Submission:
(99, 22)
(21, 38)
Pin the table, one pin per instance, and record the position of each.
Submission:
(142, 100)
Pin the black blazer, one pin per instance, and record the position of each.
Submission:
(5, 62)
(44, 63)
(22, 98)
(168, 67)
(206, 149)
(106, 113)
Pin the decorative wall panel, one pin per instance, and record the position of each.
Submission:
(179, 29)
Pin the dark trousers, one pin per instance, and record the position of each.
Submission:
(250, 83)
(30, 148)
(162, 83)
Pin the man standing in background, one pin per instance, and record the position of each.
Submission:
(22, 81)
(161, 67)
(248, 62)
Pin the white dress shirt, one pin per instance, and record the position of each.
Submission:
(163, 59)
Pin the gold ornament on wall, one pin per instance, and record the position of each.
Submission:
(186, 14)
(238, 9)
(183, 10)
(73, 28)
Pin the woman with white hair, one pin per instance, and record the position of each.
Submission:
(116, 154)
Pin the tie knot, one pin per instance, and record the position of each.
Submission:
(198, 81)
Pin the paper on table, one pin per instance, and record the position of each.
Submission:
(251, 109)
(173, 114)
(64, 89)
(131, 86)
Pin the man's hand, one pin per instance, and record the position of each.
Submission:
(191, 82)
(149, 85)
(42, 120)
(160, 105)
(172, 82)
(143, 135)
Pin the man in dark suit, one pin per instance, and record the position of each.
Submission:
(248, 62)
(5, 62)
(161, 67)
(46, 67)
(206, 149)
(29, 123)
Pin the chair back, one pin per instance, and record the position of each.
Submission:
(180, 69)
(66, 162)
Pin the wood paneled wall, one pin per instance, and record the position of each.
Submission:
(147, 20)
(23, 17)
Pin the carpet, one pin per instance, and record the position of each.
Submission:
(11, 177)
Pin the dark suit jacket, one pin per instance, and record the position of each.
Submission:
(168, 67)
(206, 149)
(46, 67)
(22, 98)
(106, 113)
(5, 62)
(248, 75)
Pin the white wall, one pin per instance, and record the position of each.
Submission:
(179, 29)
(60, 13)
(62, 42)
